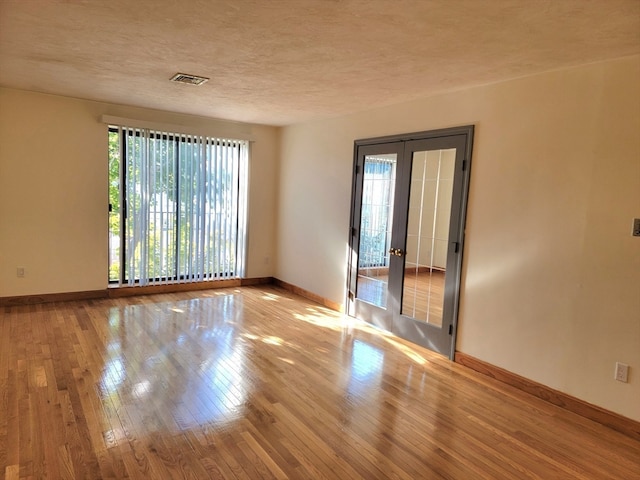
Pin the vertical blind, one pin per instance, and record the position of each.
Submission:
(180, 208)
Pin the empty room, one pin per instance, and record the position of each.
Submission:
(320, 239)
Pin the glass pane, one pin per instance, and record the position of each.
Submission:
(182, 215)
(375, 228)
(114, 206)
(428, 234)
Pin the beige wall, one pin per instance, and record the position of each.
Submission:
(551, 275)
(53, 190)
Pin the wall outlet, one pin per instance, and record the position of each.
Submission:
(636, 227)
(20, 271)
(622, 372)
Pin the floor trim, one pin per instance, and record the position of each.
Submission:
(610, 419)
(52, 297)
(126, 291)
(130, 291)
(338, 307)
(172, 288)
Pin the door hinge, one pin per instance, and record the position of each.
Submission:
(351, 295)
(456, 247)
(354, 230)
(357, 169)
(450, 329)
(110, 208)
(464, 165)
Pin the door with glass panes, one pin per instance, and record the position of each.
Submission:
(407, 234)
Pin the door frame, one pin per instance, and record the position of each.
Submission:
(458, 218)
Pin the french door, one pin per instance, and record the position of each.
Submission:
(407, 234)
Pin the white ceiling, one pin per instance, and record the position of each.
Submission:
(280, 62)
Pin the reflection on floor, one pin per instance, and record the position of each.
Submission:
(257, 383)
(422, 297)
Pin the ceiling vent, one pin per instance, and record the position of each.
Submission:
(188, 79)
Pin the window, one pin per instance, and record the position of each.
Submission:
(177, 207)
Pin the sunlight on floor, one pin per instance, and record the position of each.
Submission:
(340, 322)
(271, 340)
(287, 360)
(271, 297)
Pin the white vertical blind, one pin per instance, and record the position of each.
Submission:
(184, 212)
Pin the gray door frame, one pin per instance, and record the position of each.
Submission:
(440, 339)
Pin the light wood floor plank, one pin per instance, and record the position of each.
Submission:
(257, 383)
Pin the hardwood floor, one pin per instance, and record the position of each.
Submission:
(423, 294)
(257, 383)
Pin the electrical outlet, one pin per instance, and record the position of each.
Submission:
(622, 372)
(636, 227)
(20, 272)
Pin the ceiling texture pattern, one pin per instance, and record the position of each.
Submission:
(281, 62)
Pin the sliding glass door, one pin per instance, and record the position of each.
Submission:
(409, 198)
(177, 207)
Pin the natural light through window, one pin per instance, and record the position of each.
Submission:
(177, 207)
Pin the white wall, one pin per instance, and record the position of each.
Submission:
(551, 275)
(53, 190)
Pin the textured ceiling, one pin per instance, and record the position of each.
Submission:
(287, 61)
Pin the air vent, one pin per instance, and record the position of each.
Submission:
(188, 79)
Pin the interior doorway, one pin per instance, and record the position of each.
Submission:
(408, 210)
